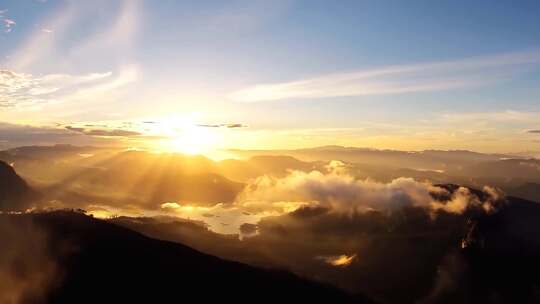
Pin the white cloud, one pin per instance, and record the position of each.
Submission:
(125, 75)
(20, 89)
(107, 41)
(6, 24)
(343, 193)
(170, 206)
(433, 76)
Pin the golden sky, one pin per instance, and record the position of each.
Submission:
(259, 75)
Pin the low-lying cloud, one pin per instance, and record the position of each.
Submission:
(104, 132)
(463, 198)
(343, 193)
(15, 135)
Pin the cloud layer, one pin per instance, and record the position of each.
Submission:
(342, 193)
(14, 135)
(104, 132)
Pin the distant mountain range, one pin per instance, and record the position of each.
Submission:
(89, 174)
(428, 159)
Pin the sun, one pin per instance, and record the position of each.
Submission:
(195, 140)
(184, 135)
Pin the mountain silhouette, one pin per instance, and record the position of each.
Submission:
(99, 262)
(15, 193)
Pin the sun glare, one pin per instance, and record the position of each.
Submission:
(194, 141)
(184, 135)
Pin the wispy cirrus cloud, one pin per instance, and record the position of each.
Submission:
(434, 76)
(507, 116)
(21, 89)
(106, 40)
(6, 24)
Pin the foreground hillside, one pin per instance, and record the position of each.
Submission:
(66, 257)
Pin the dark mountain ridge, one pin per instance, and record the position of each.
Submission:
(14, 191)
(99, 262)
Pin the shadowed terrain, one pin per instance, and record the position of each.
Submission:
(14, 191)
(97, 262)
(396, 235)
(403, 257)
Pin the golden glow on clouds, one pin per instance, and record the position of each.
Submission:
(100, 214)
(219, 218)
(184, 208)
(338, 260)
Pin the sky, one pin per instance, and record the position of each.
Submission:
(199, 76)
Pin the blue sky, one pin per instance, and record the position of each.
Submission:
(388, 74)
